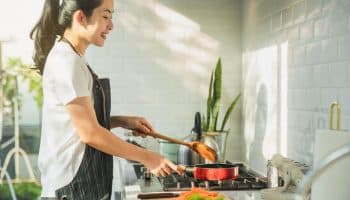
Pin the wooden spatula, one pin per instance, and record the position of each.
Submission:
(202, 149)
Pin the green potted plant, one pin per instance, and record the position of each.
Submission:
(14, 72)
(210, 121)
(23, 191)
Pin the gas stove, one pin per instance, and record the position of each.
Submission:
(246, 186)
(247, 180)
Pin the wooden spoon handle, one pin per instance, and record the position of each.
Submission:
(157, 135)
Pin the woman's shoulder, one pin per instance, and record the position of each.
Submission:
(62, 56)
(62, 50)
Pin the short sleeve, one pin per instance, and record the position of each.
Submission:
(71, 79)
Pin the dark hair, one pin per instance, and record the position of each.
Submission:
(53, 22)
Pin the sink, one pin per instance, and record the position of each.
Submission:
(333, 182)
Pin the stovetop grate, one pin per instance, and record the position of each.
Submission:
(247, 180)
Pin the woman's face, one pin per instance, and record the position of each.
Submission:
(100, 23)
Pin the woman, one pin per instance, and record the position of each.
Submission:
(76, 147)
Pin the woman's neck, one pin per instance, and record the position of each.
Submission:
(78, 44)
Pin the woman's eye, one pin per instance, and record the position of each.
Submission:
(107, 18)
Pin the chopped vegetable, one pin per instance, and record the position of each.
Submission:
(200, 194)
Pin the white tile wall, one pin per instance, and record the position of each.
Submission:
(318, 37)
(159, 58)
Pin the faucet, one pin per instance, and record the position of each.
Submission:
(319, 168)
(335, 105)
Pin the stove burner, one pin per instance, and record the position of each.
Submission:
(247, 180)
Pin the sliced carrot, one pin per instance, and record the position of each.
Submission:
(199, 194)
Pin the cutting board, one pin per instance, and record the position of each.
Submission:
(157, 197)
(334, 182)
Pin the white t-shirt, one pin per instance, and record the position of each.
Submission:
(65, 78)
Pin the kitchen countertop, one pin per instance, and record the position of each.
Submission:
(138, 186)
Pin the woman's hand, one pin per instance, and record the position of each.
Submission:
(139, 125)
(160, 166)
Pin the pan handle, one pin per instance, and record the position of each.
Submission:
(189, 171)
(157, 195)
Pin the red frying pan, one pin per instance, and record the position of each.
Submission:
(213, 172)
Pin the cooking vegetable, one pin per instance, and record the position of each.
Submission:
(200, 194)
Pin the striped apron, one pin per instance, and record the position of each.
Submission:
(93, 180)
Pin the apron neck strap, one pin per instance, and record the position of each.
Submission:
(94, 75)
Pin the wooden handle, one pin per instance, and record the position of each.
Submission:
(157, 135)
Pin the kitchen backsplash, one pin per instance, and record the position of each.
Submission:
(159, 58)
(301, 49)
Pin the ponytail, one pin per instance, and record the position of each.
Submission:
(45, 32)
(54, 20)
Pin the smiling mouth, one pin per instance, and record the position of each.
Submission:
(104, 36)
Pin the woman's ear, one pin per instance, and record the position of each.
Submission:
(79, 17)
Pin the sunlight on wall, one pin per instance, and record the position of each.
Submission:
(191, 52)
(265, 73)
(283, 99)
(260, 104)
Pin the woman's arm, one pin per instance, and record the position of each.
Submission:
(117, 121)
(90, 132)
(138, 124)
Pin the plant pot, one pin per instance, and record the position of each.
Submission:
(220, 138)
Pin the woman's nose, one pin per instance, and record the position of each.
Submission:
(110, 26)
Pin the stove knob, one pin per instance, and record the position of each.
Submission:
(220, 182)
(147, 174)
(192, 184)
(206, 183)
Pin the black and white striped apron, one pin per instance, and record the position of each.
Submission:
(93, 180)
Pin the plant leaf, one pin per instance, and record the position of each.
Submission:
(229, 111)
(217, 93)
(215, 114)
(217, 80)
(209, 101)
(204, 123)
